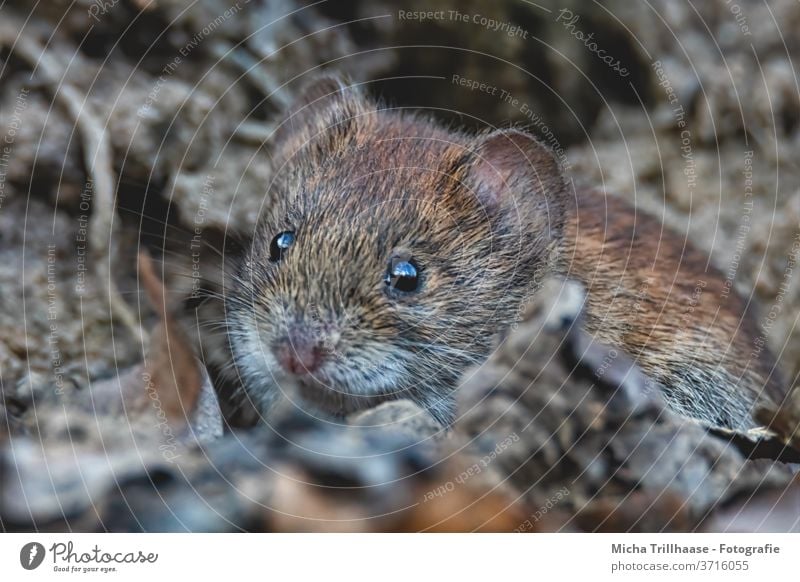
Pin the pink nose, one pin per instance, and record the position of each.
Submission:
(299, 354)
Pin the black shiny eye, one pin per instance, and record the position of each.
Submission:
(402, 275)
(279, 245)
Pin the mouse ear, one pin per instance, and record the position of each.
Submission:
(517, 180)
(320, 93)
(327, 109)
(512, 168)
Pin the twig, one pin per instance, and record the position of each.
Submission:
(252, 68)
(97, 157)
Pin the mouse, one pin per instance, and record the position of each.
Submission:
(392, 252)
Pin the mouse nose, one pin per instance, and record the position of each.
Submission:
(300, 352)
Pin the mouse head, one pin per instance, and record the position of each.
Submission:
(389, 253)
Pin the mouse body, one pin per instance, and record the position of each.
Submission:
(394, 252)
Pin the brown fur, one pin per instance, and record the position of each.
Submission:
(484, 217)
(654, 294)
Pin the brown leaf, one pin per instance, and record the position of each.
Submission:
(173, 378)
(641, 511)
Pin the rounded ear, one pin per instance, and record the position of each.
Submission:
(327, 108)
(509, 162)
(517, 180)
(321, 92)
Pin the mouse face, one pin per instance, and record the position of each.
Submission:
(390, 255)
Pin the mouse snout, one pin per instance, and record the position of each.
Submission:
(300, 351)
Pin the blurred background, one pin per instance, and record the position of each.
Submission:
(130, 125)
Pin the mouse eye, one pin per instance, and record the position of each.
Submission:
(279, 245)
(402, 275)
